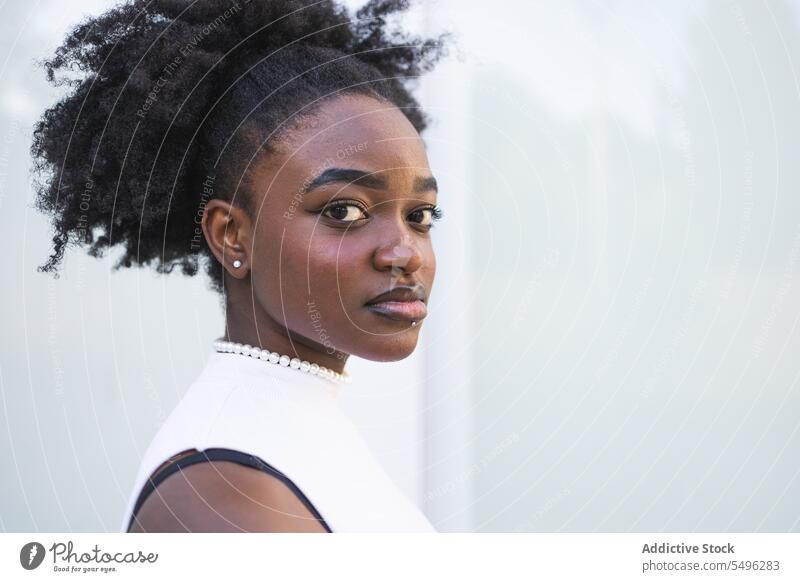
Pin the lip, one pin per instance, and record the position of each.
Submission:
(400, 310)
(400, 304)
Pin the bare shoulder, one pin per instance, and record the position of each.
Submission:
(224, 496)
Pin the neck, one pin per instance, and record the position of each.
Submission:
(247, 325)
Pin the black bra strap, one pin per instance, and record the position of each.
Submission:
(222, 455)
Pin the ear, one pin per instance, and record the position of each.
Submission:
(228, 232)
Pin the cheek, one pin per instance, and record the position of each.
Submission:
(427, 272)
(325, 269)
(336, 265)
(431, 263)
(281, 263)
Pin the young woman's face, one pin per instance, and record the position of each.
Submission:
(343, 214)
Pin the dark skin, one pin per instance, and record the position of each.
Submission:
(316, 245)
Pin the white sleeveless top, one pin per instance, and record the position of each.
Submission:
(292, 421)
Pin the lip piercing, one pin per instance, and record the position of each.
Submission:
(237, 263)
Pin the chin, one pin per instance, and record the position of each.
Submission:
(388, 348)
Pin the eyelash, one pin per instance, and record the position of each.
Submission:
(436, 211)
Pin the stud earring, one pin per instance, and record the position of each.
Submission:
(237, 263)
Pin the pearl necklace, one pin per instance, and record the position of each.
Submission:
(282, 360)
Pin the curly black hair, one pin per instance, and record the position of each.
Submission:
(169, 99)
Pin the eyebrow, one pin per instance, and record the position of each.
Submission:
(366, 179)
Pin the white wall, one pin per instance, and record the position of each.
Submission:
(633, 264)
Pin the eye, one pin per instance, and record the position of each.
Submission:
(425, 216)
(345, 212)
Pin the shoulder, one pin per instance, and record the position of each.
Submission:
(224, 496)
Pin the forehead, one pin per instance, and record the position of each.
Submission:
(356, 131)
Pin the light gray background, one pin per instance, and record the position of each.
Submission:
(612, 343)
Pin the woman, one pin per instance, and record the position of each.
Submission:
(276, 144)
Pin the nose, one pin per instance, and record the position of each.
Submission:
(398, 257)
